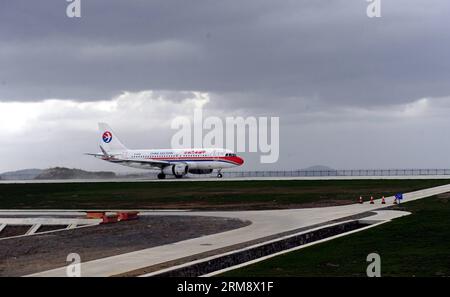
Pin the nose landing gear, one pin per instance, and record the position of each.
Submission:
(219, 174)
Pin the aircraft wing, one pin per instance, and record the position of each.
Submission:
(150, 163)
(95, 155)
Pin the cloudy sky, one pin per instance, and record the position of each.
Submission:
(350, 91)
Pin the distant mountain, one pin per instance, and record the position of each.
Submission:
(68, 173)
(318, 168)
(25, 174)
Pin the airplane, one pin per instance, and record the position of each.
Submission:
(176, 162)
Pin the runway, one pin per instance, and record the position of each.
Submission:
(224, 179)
(264, 224)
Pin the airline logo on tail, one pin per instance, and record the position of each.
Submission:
(107, 137)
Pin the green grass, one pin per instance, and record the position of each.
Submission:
(202, 195)
(415, 245)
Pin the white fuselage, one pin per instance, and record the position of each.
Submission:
(176, 162)
(194, 158)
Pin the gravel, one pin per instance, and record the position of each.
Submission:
(40, 252)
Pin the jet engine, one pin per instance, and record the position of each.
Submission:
(178, 170)
(200, 171)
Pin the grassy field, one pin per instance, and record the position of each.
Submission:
(202, 195)
(415, 245)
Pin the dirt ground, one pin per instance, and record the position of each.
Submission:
(26, 255)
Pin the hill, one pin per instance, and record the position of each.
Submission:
(25, 174)
(318, 168)
(69, 173)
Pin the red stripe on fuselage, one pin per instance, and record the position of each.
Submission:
(236, 160)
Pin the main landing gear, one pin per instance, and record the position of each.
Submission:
(219, 174)
(163, 176)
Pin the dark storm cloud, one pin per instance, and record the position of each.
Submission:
(261, 50)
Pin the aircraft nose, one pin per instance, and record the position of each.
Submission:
(240, 160)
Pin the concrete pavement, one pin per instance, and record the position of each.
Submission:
(225, 179)
(264, 223)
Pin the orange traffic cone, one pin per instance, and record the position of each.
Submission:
(383, 201)
(371, 200)
(360, 200)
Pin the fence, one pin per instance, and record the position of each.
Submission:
(281, 173)
(346, 172)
